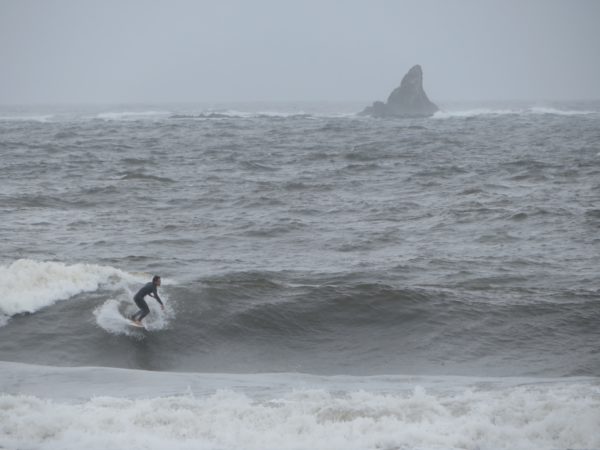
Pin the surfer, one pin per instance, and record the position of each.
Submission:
(148, 289)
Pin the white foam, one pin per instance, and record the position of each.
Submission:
(30, 118)
(30, 285)
(268, 113)
(112, 320)
(536, 110)
(131, 115)
(561, 112)
(476, 415)
(473, 113)
(232, 114)
(111, 316)
(301, 113)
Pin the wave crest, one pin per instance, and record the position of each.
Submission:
(32, 285)
(131, 115)
(535, 110)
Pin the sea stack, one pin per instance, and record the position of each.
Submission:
(408, 100)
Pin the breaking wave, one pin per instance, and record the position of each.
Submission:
(30, 118)
(297, 411)
(536, 110)
(132, 115)
(32, 285)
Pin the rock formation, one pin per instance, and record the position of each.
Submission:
(408, 100)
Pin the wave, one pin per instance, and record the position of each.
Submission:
(132, 115)
(473, 113)
(107, 408)
(307, 115)
(32, 285)
(348, 301)
(469, 113)
(280, 321)
(128, 175)
(33, 118)
(560, 112)
(256, 304)
(43, 201)
(208, 115)
(233, 114)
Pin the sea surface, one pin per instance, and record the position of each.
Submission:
(331, 281)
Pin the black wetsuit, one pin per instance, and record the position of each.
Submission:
(149, 288)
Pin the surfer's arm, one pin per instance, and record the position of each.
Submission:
(155, 295)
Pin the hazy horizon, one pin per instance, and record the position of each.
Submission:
(132, 52)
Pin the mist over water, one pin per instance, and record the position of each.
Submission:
(315, 249)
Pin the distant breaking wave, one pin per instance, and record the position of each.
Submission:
(560, 112)
(274, 112)
(33, 118)
(536, 110)
(131, 115)
(233, 114)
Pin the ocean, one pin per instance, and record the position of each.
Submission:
(331, 281)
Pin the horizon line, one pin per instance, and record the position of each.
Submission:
(248, 102)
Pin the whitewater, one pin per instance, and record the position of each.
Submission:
(330, 280)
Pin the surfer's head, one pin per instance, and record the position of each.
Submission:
(156, 280)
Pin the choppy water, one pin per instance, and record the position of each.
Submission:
(302, 239)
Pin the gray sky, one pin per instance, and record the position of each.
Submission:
(244, 50)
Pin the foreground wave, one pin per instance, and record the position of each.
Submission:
(99, 408)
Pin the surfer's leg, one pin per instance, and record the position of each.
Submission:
(141, 303)
(143, 314)
(144, 309)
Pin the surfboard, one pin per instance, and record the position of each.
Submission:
(137, 325)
